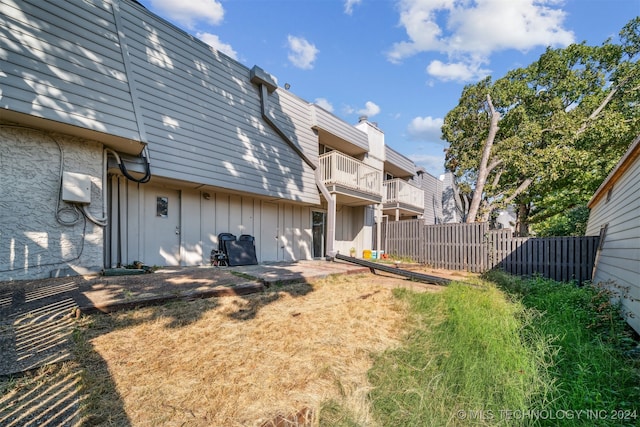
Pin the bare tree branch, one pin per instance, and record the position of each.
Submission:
(494, 164)
(496, 179)
(602, 105)
(483, 170)
(521, 188)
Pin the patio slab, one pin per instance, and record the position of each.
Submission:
(36, 317)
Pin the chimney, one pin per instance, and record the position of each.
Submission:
(362, 119)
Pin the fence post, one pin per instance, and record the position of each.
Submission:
(422, 242)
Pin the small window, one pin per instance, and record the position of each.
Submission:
(609, 194)
(162, 207)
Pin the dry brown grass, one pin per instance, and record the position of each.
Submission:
(239, 361)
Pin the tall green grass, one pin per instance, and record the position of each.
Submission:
(597, 366)
(508, 351)
(470, 356)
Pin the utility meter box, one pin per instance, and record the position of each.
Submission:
(76, 187)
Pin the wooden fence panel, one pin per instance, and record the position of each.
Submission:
(475, 248)
(559, 258)
(403, 239)
(455, 246)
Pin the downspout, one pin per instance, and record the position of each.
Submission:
(105, 209)
(263, 111)
(265, 85)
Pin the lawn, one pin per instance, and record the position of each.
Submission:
(242, 360)
(358, 351)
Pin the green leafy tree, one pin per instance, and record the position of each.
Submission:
(573, 223)
(543, 137)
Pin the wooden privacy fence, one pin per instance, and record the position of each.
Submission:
(475, 248)
(559, 258)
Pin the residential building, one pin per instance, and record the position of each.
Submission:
(404, 197)
(453, 209)
(123, 139)
(615, 216)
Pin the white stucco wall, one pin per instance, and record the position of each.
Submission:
(33, 244)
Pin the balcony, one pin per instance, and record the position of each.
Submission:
(402, 198)
(354, 182)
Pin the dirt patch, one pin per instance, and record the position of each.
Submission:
(164, 281)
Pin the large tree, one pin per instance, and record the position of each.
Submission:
(543, 137)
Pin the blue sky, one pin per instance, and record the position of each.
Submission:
(403, 63)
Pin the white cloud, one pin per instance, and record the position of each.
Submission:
(457, 71)
(322, 102)
(370, 109)
(302, 53)
(516, 24)
(425, 129)
(432, 164)
(349, 4)
(214, 41)
(469, 32)
(189, 12)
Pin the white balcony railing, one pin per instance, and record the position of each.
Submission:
(399, 191)
(339, 169)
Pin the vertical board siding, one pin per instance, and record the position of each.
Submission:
(282, 231)
(475, 248)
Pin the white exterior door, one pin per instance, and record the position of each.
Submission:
(161, 227)
(270, 233)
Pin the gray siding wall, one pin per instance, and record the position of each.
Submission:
(293, 116)
(619, 258)
(406, 166)
(323, 119)
(115, 68)
(62, 61)
(354, 228)
(451, 204)
(282, 230)
(202, 115)
(32, 242)
(432, 187)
